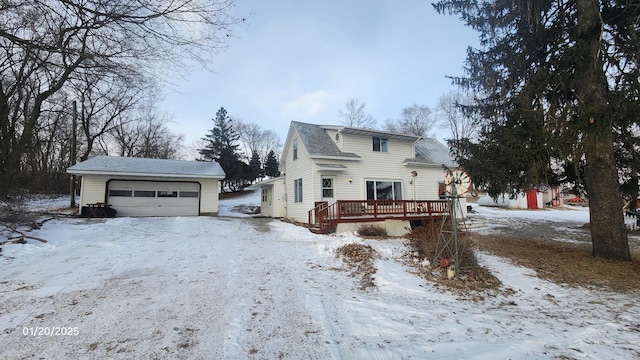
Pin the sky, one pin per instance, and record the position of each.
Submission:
(301, 60)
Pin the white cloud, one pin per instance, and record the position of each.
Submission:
(308, 106)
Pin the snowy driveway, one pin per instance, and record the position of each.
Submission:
(241, 288)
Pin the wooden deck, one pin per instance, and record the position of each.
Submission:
(324, 217)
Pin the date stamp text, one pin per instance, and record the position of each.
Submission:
(50, 331)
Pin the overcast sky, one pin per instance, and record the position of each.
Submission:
(303, 59)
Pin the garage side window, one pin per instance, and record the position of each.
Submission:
(144, 193)
(167, 193)
(123, 193)
(188, 194)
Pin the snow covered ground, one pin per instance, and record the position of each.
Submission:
(236, 287)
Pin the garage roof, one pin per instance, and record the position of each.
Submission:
(118, 165)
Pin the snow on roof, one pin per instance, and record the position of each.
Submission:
(431, 151)
(118, 165)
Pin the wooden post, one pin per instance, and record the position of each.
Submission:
(72, 182)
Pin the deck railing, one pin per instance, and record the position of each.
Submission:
(324, 217)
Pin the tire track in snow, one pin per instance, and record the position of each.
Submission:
(272, 319)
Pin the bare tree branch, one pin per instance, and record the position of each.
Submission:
(354, 115)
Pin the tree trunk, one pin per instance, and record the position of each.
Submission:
(608, 231)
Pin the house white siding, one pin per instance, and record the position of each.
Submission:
(93, 190)
(301, 168)
(209, 196)
(273, 198)
(347, 157)
(386, 166)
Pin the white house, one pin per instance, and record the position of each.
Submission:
(149, 187)
(328, 163)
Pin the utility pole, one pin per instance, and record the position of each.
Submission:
(74, 125)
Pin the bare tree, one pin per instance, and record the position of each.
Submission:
(191, 150)
(452, 115)
(414, 120)
(251, 136)
(103, 104)
(255, 139)
(271, 142)
(43, 43)
(47, 157)
(144, 133)
(354, 115)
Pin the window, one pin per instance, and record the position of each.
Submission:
(167, 193)
(188, 194)
(144, 193)
(125, 193)
(380, 144)
(295, 149)
(297, 189)
(327, 187)
(265, 195)
(384, 190)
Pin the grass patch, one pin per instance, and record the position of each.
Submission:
(563, 262)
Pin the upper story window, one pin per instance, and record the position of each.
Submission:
(295, 149)
(380, 144)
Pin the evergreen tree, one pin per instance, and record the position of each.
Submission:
(221, 146)
(255, 166)
(561, 85)
(271, 165)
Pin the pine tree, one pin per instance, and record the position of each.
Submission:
(221, 146)
(255, 166)
(271, 165)
(560, 79)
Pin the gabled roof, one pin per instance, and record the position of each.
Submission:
(128, 166)
(378, 133)
(430, 151)
(317, 142)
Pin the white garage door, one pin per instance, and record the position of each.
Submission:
(154, 198)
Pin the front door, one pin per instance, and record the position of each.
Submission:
(266, 208)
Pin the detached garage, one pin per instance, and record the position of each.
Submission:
(149, 187)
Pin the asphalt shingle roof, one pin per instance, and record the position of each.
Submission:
(317, 142)
(147, 167)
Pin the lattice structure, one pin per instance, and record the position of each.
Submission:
(452, 240)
